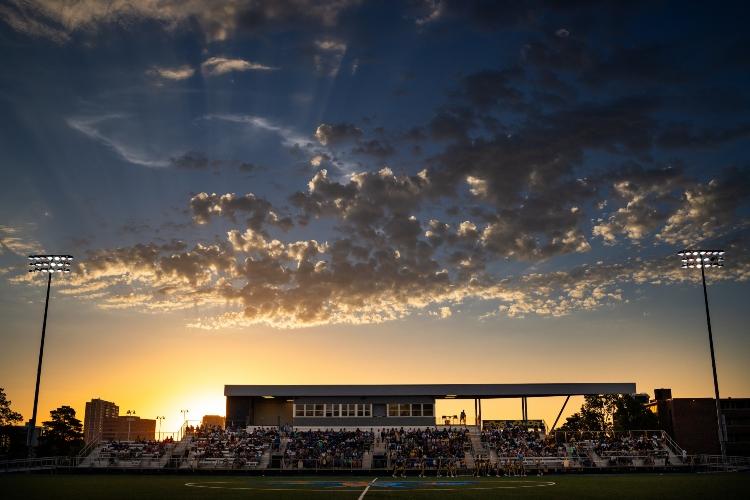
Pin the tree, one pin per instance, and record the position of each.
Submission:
(11, 437)
(610, 412)
(63, 434)
(631, 415)
(7, 416)
(596, 415)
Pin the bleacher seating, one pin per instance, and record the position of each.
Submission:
(216, 447)
(327, 449)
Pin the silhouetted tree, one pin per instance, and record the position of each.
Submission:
(631, 415)
(63, 434)
(7, 416)
(595, 415)
(610, 412)
(11, 437)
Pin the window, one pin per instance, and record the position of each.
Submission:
(427, 410)
(392, 410)
(404, 410)
(416, 410)
(334, 410)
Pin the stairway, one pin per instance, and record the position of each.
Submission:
(367, 460)
(469, 460)
(92, 457)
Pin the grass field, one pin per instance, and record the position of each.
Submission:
(114, 487)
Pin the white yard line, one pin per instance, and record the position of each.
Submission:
(368, 487)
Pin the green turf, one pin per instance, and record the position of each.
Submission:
(610, 487)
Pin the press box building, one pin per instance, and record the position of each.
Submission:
(378, 405)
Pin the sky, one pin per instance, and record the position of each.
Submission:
(344, 191)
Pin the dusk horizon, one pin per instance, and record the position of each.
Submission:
(352, 192)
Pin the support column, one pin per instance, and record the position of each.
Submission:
(479, 423)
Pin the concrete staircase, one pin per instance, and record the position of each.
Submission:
(91, 459)
(367, 460)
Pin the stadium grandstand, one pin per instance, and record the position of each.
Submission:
(391, 428)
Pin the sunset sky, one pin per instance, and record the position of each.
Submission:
(343, 191)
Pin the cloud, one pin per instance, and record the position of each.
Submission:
(176, 73)
(684, 136)
(330, 134)
(14, 240)
(328, 56)
(215, 66)
(708, 210)
(58, 21)
(91, 126)
(304, 283)
(258, 211)
(192, 160)
(647, 196)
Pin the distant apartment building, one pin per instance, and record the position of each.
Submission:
(128, 428)
(97, 411)
(213, 421)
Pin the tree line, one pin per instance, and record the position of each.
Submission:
(611, 412)
(62, 434)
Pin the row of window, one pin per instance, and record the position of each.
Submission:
(361, 410)
(333, 410)
(410, 410)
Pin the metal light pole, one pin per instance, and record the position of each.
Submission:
(47, 264)
(160, 419)
(702, 259)
(130, 419)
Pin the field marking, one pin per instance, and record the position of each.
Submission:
(384, 486)
(368, 487)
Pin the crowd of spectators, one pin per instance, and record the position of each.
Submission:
(426, 448)
(514, 441)
(234, 448)
(327, 449)
(622, 449)
(116, 452)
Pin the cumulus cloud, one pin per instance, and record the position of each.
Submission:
(708, 210)
(215, 66)
(257, 211)
(329, 134)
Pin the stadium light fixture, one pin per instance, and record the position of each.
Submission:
(702, 259)
(450, 396)
(49, 265)
(268, 397)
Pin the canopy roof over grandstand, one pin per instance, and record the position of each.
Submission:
(438, 391)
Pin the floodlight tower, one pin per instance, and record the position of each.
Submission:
(702, 259)
(48, 264)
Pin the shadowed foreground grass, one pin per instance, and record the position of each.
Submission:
(610, 487)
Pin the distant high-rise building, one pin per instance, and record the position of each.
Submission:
(97, 410)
